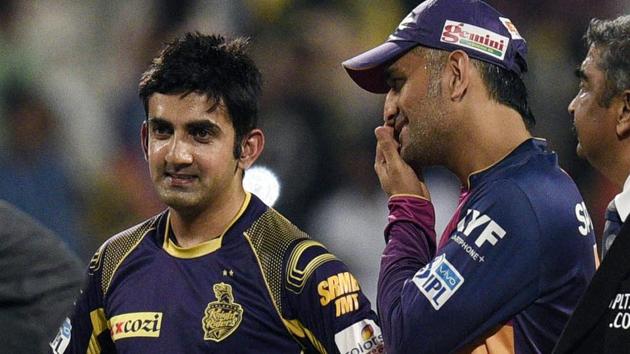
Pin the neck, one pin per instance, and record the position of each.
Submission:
(618, 172)
(191, 229)
(490, 132)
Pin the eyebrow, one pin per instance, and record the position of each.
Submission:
(204, 124)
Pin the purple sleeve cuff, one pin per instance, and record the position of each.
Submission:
(410, 237)
(410, 209)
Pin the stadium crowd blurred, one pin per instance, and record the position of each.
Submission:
(70, 117)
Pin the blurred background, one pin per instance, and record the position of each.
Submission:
(70, 116)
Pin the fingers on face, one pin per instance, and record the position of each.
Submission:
(386, 145)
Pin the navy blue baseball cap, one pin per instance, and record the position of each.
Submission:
(470, 25)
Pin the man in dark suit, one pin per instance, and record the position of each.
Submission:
(39, 280)
(601, 115)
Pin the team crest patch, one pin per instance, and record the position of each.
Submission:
(222, 317)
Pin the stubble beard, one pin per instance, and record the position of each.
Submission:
(428, 135)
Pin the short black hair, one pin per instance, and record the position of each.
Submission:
(612, 38)
(210, 65)
(507, 88)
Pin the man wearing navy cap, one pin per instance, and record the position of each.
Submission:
(519, 251)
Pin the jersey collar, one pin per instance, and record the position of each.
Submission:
(204, 248)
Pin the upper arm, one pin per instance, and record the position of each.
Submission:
(87, 326)
(325, 301)
(487, 272)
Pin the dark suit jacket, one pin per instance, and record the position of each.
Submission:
(39, 280)
(601, 322)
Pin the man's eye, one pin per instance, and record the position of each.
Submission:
(396, 84)
(161, 131)
(201, 134)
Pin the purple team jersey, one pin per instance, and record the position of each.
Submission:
(511, 265)
(261, 287)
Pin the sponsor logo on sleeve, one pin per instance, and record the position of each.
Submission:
(61, 341)
(475, 38)
(491, 233)
(438, 281)
(363, 337)
(342, 289)
(136, 324)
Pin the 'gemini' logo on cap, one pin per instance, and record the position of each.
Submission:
(475, 38)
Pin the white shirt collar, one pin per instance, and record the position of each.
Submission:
(622, 201)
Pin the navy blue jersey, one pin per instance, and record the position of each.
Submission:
(508, 272)
(261, 287)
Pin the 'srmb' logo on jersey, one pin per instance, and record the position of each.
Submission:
(222, 317)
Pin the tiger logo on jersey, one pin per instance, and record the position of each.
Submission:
(222, 317)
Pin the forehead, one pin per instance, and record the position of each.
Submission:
(406, 64)
(590, 64)
(181, 108)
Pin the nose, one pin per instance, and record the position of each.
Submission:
(571, 107)
(390, 109)
(178, 153)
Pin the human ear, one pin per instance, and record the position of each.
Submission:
(252, 146)
(623, 120)
(144, 137)
(458, 71)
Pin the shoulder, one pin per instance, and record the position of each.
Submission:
(113, 251)
(287, 255)
(30, 248)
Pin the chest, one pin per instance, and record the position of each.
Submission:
(210, 304)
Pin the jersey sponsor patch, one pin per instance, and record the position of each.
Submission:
(491, 233)
(620, 307)
(363, 337)
(475, 38)
(438, 281)
(136, 324)
(61, 341)
(343, 289)
(584, 219)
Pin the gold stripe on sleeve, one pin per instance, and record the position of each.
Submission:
(99, 325)
(298, 277)
(297, 328)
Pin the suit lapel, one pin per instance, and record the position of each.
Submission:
(603, 287)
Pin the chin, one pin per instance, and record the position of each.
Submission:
(179, 201)
(580, 151)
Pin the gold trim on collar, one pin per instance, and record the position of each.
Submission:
(203, 248)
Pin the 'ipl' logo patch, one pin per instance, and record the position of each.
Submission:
(438, 281)
(475, 38)
(222, 317)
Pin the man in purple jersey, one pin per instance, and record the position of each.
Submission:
(218, 271)
(601, 115)
(520, 250)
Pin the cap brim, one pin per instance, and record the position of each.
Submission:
(368, 69)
